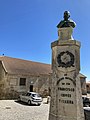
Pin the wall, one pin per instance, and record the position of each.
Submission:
(12, 88)
(2, 81)
(83, 85)
(88, 87)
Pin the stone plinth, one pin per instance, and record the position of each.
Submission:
(66, 96)
(65, 33)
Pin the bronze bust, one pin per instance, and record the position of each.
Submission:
(66, 22)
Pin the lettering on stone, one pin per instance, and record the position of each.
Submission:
(71, 80)
(66, 89)
(66, 95)
(67, 83)
(65, 74)
(67, 78)
(60, 80)
(63, 83)
(66, 101)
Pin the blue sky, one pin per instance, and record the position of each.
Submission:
(27, 28)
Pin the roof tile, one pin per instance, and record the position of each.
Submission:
(19, 66)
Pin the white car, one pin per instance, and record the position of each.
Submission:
(31, 98)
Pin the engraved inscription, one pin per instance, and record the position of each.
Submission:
(66, 90)
(66, 101)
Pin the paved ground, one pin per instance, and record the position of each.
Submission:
(11, 110)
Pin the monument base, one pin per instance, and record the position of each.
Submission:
(54, 117)
(65, 33)
(66, 96)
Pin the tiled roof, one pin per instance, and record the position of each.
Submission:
(26, 67)
(81, 75)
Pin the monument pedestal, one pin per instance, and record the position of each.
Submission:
(66, 96)
(65, 33)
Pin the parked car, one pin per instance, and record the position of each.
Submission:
(31, 98)
(86, 107)
(86, 101)
(87, 113)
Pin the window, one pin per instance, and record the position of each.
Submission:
(23, 81)
(87, 86)
(31, 88)
(28, 94)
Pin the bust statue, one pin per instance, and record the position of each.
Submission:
(66, 22)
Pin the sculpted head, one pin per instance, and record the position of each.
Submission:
(66, 15)
(66, 22)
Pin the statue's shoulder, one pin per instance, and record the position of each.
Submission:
(70, 20)
(73, 24)
(60, 23)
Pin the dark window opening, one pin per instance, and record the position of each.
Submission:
(31, 88)
(87, 86)
(23, 81)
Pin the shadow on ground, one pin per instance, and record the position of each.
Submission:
(23, 103)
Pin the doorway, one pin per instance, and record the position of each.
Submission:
(31, 88)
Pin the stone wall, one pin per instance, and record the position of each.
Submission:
(88, 87)
(2, 81)
(83, 85)
(12, 88)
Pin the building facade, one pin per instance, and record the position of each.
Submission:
(18, 76)
(88, 86)
(83, 84)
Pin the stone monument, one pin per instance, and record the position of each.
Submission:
(66, 96)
